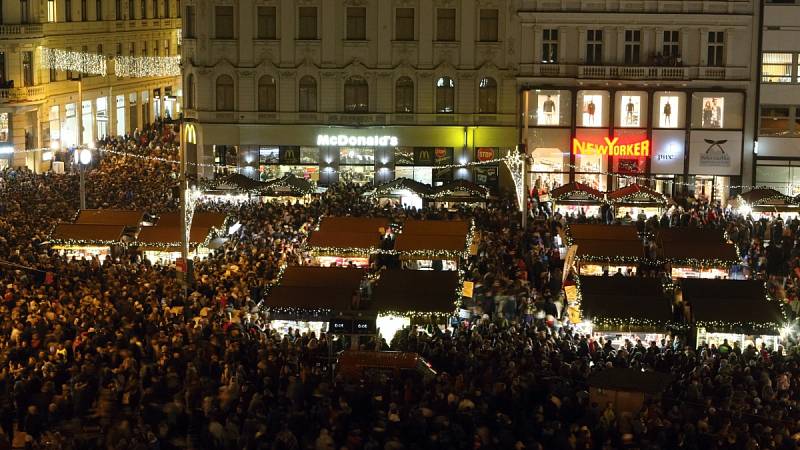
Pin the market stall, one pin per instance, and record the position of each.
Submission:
(457, 192)
(403, 191)
(213, 220)
(625, 308)
(603, 249)
(86, 241)
(424, 297)
(636, 199)
(737, 310)
(576, 198)
(343, 241)
(234, 188)
(130, 219)
(626, 390)
(768, 203)
(693, 253)
(422, 242)
(287, 188)
(307, 298)
(162, 244)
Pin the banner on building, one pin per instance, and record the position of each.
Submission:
(715, 152)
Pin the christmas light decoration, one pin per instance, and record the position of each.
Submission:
(516, 165)
(147, 66)
(83, 62)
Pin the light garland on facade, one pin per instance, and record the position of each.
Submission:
(147, 66)
(83, 62)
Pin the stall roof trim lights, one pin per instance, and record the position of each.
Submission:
(340, 140)
(611, 147)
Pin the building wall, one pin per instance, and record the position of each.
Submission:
(111, 33)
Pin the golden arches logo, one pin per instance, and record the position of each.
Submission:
(189, 134)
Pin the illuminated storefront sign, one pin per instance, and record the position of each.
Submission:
(611, 147)
(342, 140)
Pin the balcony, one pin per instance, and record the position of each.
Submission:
(21, 31)
(655, 73)
(345, 119)
(633, 73)
(23, 94)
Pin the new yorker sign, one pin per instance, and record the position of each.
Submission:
(344, 140)
(612, 147)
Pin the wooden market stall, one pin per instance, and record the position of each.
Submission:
(404, 191)
(424, 241)
(618, 308)
(287, 188)
(163, 244)
(737, 310)
(696, 253)
(574, 198)
(130, 219)
(203, 219)
(85, 241)
(403, 297)
(457, 192)
(342, 241)
(626, 389)
(636, 199)
(600, 249)
(767, 203)
(307, 297)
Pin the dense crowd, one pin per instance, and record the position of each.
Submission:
(111, 355)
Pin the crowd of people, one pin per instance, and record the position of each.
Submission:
(111, 355)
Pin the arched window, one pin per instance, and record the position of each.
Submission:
(267, 99)
(225, 93)
(307, 94)
(356, 95)
(445, 95)
(189, 96)
(404, 95)
(487, 96)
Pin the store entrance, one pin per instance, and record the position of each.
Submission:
(711, 188)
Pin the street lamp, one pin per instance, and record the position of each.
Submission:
(84, 159)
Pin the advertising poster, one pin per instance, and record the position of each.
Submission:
(713, 112)
(715, 152)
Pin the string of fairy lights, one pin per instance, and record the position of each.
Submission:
(97, 64)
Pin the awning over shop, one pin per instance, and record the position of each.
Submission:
(625, 303)
(288, 184)
(354, 224)
(577, 193)
(610, 251)
(399, 185)
(199, 219)
(735, 306)
(169, 238)
(317, 293)
(348, 236)
(764, 196)
(433, 239)
(700, 254)
(436, 227)
(416, 292)
(236, 182)
(637, 195)
(86, 234)
(126, 218)
(459, 187)
(600, 232)
(685, 234)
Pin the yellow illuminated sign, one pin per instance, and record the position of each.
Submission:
(611, 147)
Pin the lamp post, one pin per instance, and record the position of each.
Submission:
(84, 159)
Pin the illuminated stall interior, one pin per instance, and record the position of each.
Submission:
(620, 308)
(576, 198)
(636, 199)
(737, 310)
(162, 244)
(343, 241)
(85, 241)
(768, 203)
(423, 241)
(403, 297)
(307, 298)
(695, 253)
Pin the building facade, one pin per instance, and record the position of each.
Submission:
(42, 107)
(778, 158)
(658, 93)
(359, 90)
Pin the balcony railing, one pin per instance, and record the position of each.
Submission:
(23, 94)
(634, 72)
(20, 30)
(593, 72)
(369, 119)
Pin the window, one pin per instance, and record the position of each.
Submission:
(224, 22)
(307, 94)
(68, 10)
(775, 121)
(142, 9)
(53, 74)
(633, 46)
(307, 24)
(84, 10)
(188, 22)
(716, 48)
(189, 94)
(225, 93)
(357, 23)
(267, 100)
(23, 11)
(99, 49)
(98, 10)
(267, 22)
(155, 9)
(119, 49)
(446, 24)
(51, 10)
(776, 67)
(594, 46)
(118, 9)
(445, 95)
(131, 49)
(488, 25)
(166, 47)
(404, 95)
(2, 66)
(356, 95)
(404, 24)
(27, 68)
(156, 49)
(549, 46)
(671, 46)
(131, 10)
(487, 96)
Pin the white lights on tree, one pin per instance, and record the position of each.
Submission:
(147, 66)
(89, 63)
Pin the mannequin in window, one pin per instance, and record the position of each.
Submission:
(667, 114)
(629, 109)
(549, 108)
(590, 109)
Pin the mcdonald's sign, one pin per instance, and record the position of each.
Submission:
(189, 133)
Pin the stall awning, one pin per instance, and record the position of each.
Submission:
(700, 254)
(636, 195)
(459, 187)
(630, 380)
(433, 239)
(577, 193)
(403, 184)
(126, 218)
(86, 234)
(625, 303)
(416, 292)
(740, 306)
(765, 196)
(341, 241)
(354, 224)
(237, 182)
(170, 237)
(200, 219)
(580, 231)
(313, 292)
(313, 276)
(436, 227)
(686, 234)
(288, 184)
(610, 251)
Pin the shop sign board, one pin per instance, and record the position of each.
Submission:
(669, 150)
(715, 152)
(345, 140)
(612, 146)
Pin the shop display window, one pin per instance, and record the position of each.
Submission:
(268, 155)
(309, 155)
(420, 174)
(549, 108)
(361, 174)
(631, 109)
(717, 110)
(593, 108)
(404, 156)
(357, 156)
